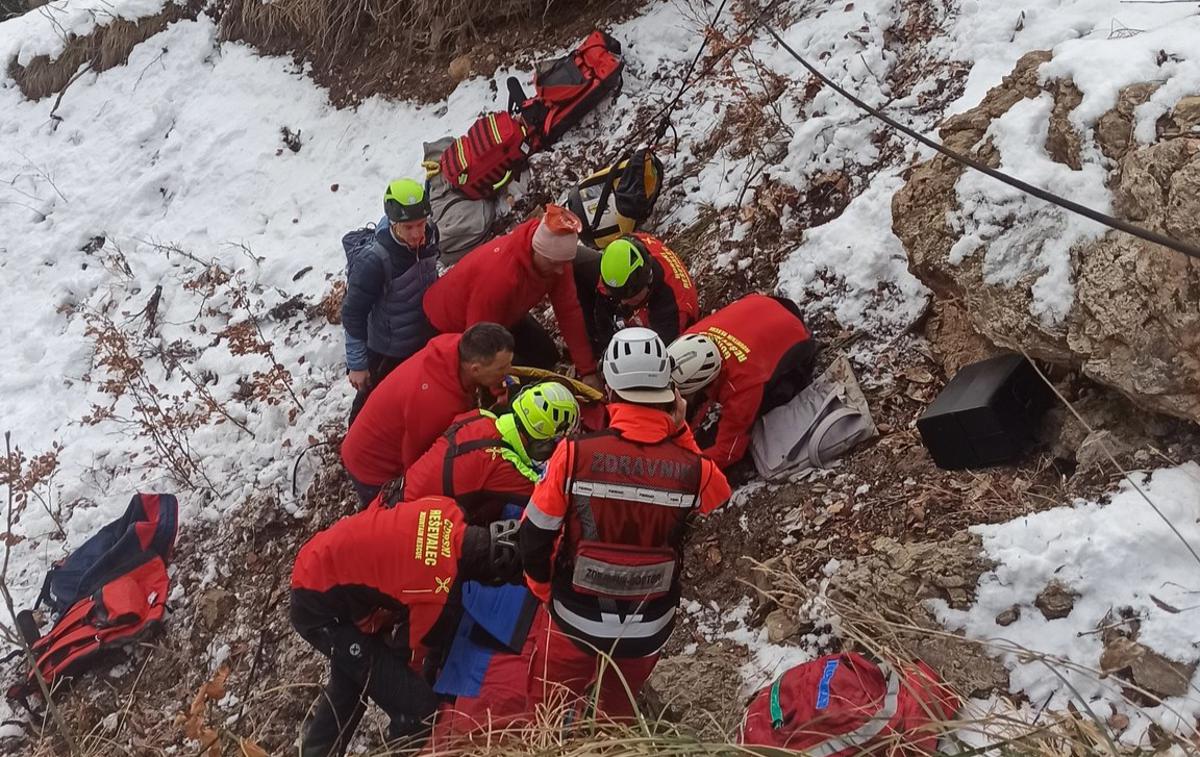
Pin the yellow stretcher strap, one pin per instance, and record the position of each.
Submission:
(578, 388)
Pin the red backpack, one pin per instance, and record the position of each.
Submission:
(110, 591)
(567, 89)
(493, 152)
(844, 704)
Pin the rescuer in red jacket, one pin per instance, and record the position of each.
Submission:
(637, 281)
(485, 461)
(502, 280)
(739, 363)
(379, 594)
(417, 401)
(602, 537)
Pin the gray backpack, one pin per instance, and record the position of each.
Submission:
(462, 223)
(819, 425)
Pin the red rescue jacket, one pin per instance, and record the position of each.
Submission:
(677, 282)
(384, 568)
(621, 499)
(472, 463)
(406, 412)
(497, 282)
(754, 334)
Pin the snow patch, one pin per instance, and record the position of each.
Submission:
(1114, 556)
(46, 30)
(855, 267)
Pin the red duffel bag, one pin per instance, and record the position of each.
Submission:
(844, 704)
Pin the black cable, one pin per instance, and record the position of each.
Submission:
(1041, 194)
(296, 464)
(664, 114)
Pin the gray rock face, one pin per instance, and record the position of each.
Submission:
(1135, 321)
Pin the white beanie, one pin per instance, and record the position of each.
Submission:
(557, 235)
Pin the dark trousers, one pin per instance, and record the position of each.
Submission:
(362, 667)
(794, 371)
(366, 493)
(533, 345)
(378, 367)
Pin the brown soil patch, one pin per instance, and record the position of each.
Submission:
(373, 53)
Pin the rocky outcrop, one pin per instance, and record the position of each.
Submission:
(1135, 321)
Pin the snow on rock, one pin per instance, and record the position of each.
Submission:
(1036, 278)
(1023, 235)
(1119, 557)
(47, 29)
(855, 267)
(991, 37)
(1015, 233)
(855, 264)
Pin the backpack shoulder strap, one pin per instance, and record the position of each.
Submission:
(455, 450)
(606, 191)
(516, 96)
(385, 258)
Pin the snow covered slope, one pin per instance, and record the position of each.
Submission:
(172, 172)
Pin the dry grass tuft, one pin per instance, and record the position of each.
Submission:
(379, 27)
(106, 47)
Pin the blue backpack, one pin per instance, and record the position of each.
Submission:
(359, 244)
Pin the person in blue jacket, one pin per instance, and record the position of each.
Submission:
(382, 313)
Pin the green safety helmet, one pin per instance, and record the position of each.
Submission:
(546, 411)
(625, 268)
(405, 200)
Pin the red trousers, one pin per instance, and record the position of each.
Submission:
(550, 670)
(562, 671)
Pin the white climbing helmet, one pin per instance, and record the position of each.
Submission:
(636, 366)
(696, 362)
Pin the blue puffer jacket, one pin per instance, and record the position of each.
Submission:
(387, 316)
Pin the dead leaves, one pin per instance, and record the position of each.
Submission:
(194, 721)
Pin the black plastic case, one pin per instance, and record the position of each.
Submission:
(988, 414)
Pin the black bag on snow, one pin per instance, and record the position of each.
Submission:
(614, 200)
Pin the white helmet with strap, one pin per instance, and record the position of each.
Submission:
(636, 366)
(696, 362)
